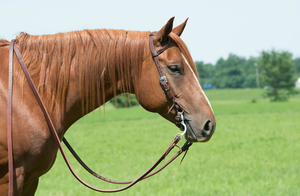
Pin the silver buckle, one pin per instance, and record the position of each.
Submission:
(184, 126)
(162, 79)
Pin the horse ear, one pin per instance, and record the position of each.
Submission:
(179, 29)
(162, 34)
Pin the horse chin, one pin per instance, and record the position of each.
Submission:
(190, 135)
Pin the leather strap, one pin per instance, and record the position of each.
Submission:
(163, 78)
(54, 133)
(185, 148)
(9, 122)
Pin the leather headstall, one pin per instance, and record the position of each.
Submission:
(164, 82)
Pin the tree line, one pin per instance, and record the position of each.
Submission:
(239, 72)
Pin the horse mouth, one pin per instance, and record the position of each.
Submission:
(192, 136)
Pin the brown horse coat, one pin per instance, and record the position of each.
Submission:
(79, 71)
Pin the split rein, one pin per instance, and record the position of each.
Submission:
(164, 83)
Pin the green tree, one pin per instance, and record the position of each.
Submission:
(124, 100)
(250, 81)
(250, 73)
(206, 72)
(277, 72)
(230, 78)
(297, 65)
(230, 73)
(200, 68)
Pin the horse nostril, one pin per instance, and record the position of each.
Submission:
(207, 127)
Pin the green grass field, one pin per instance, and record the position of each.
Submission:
(254, 151)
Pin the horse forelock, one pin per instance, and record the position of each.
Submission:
(100, 59)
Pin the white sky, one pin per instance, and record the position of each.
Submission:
(215, 27)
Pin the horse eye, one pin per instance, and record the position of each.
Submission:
(174, 69)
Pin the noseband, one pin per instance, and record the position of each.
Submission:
(179, 118)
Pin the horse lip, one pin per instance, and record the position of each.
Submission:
(190, 131)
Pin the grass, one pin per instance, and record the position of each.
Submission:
(255, 150)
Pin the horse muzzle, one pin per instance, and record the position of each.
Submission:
(194, 134)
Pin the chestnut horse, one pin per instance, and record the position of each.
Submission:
(75, 73)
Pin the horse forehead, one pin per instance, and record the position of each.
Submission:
(173, 55)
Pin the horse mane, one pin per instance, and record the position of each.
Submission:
(98, 58)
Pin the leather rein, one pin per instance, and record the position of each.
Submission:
(164, 83)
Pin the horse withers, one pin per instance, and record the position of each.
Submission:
(79, 71)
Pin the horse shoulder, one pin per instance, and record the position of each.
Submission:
(33, 146)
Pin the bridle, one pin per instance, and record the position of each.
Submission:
(164, 83)
(179, 118)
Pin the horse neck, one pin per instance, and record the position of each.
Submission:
(79, 71)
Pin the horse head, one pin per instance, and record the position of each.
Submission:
(178, 67)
